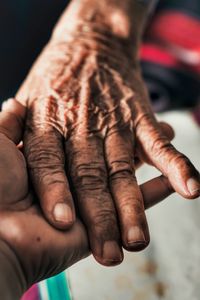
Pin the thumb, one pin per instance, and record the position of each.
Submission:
(12, 119)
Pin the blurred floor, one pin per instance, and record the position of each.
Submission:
(170, 268)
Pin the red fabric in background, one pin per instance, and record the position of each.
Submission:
(176, 31)
(176, 28)
(169, 36)
(32, 293)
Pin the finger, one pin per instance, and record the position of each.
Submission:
(12, 119)
(174, 165)
(125, 191)
(89, 178)
(140, 157)
(43, 149)
(167, 130)
(48, 250)
(155, 190)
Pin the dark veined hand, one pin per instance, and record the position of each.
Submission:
(88, 119)
(42, 250)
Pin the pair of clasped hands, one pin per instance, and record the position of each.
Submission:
(37, 214)
(70, 188)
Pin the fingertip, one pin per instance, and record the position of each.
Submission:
(136, 239)
(186, 181)
(193, 186)
(112, 254)
(136, 246)
(63, 216)
(108, 263)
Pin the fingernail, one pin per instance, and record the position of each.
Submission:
(63, 213)
(193, 186)
(112, 252)
(136, 236)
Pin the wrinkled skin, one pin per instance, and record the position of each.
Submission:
(41, 250)
(88, 118)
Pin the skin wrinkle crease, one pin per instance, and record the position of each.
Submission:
(100, 96)
(110, 205)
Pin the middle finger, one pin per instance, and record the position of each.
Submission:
(88, 173)
(125, 190)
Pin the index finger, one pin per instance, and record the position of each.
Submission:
(181, 173)
(156, 190)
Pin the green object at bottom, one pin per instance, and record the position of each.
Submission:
(58, 287)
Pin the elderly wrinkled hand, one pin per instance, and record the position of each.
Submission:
(33, 248)
(88, 119)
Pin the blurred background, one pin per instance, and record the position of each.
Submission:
(170, 57)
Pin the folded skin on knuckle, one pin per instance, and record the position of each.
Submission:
(128, 206)
(123, 185)
(104, 215)
(142, 120)
(168, 157)
(171, 159)
(159, 145)
(96, 203)
(48, 176)
(41, 152)
(149, 132)
(120, 169)
(42, 111)
(105, 224)
(89, 176)
(159, 150)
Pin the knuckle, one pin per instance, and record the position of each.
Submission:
(103, 217)
(42, 110)
(120, 169)
(181, 160)
(164, 152)
(105, 224)
(88, 177)
(142, 120)
(42, 153)
(152, 137)
(131, 207)
(160, 144)
(49, 177)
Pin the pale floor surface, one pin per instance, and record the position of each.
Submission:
(170, 268)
